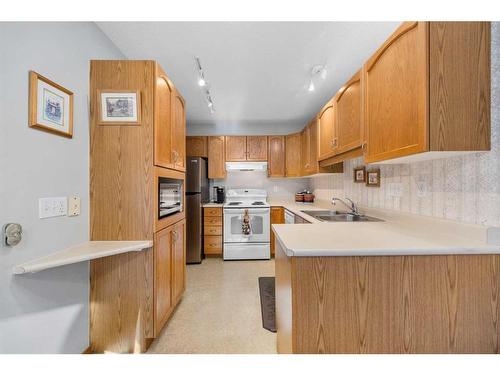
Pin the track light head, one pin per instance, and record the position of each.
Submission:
(311, 86)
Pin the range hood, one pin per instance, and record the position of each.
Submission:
(246, 166)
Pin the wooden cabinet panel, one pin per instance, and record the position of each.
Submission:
(396, 95)
(211, 230)
(257, 148)
(178, 260)
(178, 132)
(197, 146)
(213, 220)
(163, 120)
(216, 157)
(236, 148)
(162, 278)
(276, 156)
(305, 151)
(348, 124)
(326, 118)
(213, 245)
(292, 148)
(213, 211)
(277, 217)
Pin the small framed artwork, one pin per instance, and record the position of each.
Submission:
(359, 174)
(50, 106)
(373, 178)
(119, 107)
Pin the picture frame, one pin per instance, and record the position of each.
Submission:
(50, 106)
(119, 107)
(359, 174)
(373, 178)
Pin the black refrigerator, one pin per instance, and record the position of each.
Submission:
(197, 193)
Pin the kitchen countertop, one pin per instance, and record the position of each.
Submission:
(398, 234)
(212, 204)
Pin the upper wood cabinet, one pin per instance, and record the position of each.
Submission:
(305, 151)
(276, 156)
(197, 146)
(427, 89)
(178, 132)
(257, 148)
(348, 129)
(163, 141)
(326, 131)
(243, 148)
(293, 155)
(216, 157)
(236, 148)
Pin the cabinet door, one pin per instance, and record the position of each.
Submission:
(257, 148)
(197, 146)
(276, 155)
(292, 148)
(216, 157)
(162, 278)
(326, 126)
(178, 132)
(277, 217)
(178, 260)
(305, 150)
(163, 121)
(348, 124)
(313, 147)
(395, 98)
(236, 148)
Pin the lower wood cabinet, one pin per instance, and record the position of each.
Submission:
(212, 231)
(277, 217)
(169, 271)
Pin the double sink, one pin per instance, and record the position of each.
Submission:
(339, 216)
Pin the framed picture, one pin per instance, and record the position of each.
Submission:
(373, 178)
(50, 106)
(359, 174)
(119, 107)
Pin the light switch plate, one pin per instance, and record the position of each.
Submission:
(51, 207)
(74, 206)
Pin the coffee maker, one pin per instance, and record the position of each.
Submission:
(219, 194)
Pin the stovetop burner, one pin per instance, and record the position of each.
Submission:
(234, 203)
(258, 203)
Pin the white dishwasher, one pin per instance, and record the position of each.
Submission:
(289, 217)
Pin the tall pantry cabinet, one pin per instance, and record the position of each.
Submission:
(132, 295)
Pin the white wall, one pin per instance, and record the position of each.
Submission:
(245, 128)
(45, 312)
(463, 188)
(275, 187)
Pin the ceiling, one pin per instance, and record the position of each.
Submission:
(258, 71)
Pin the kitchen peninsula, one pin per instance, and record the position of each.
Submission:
(408, 284)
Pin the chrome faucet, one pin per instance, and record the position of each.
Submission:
(352, 206)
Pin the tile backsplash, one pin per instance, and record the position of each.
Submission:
(464, 188)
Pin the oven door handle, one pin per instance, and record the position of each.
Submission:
(242, 210)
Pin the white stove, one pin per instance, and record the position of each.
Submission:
(252, 242)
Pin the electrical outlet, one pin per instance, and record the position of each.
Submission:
(396, 189)
(51, 207)
(74, 206)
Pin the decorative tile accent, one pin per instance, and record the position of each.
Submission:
(464, 188)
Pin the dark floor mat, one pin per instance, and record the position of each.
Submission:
(267, 303)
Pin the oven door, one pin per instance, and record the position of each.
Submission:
(259, 225)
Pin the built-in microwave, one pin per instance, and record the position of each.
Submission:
(170, 196)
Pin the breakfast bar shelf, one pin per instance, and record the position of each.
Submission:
(81, 253)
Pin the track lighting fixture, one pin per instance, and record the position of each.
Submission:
(202, 82)
(311, 86)
(316, 70)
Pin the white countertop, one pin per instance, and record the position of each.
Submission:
(80, 253)
(398, 234)
(212, 205)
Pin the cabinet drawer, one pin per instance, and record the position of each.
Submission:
(211, 230)
(213, 220)
(213, 211)
(213, 245)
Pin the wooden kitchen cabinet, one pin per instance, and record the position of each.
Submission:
(348, 128)
(178, 260)
(305, 150)
(178, 132)
(292, 155)
(213, 230)
(197, 146)
(246, 148)
(236, 148)
(216, 157)
(326, 131)
(427, 89)
(163, 90)
(277, 217)
(257, 148)
(276, 156)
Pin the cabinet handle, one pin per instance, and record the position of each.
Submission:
(334, 142)
(363, 146)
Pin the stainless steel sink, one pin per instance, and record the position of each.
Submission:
(339, 216)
